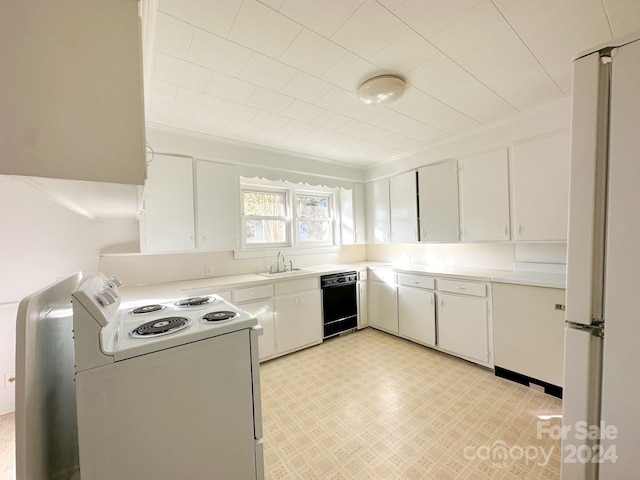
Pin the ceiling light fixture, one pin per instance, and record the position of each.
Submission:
(381, 90)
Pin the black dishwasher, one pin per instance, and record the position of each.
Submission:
(339, 303)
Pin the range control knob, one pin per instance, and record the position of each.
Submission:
(107, 297)
(115, 282)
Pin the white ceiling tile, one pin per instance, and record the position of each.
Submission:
(350, 71)
(355, 127)
(231, 88)
(474, 29)
(271, 136)
(433, 72)
(269, 120)
(213, 15)
(163, 91)
(624, 16)
(302, 111)
(197, 101)
(267, 72)
(388, 118)
(263, 29)
(297, 128)
(217, 53)
(557, 31)
(173, 36)
(376, 149)
(243, 129)
(373, 134)
(312, 53)
(236, 111)
(205, 122)
(405, 53)
(428, 17)
(333, 137)
(338, 100)
(391, 4)
(400, 142)
(306, 88)
(275, 4)
(467, 95)
(438, 115)
(268, 100)
(317, 148)
(179, 72)
(330, 120)
(168, 114)
(419, 131)
(319, 15)
(371, 28)
(363, 112)
(295, 142)
(507, 67)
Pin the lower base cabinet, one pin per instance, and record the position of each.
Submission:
(298, 321)
(417, 315)
(383, 306)
(263, 312)
(463, 326)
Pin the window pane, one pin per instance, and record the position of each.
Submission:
(265, 231)
(314, 231)
(264, 204)
(309, 206)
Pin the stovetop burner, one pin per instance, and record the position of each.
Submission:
(162, 326)
(218, 316)
(147, 309)
(194, 301)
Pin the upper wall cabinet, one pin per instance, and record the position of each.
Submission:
(404, 208)
(352, 215)
(438, 202)
(167, 221)
(71, 83)
(484, 197)
(541, 189)
(378, 221)
(217, 209)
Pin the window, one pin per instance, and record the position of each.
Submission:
(286, 217)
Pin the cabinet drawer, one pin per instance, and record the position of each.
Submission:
(252, 293)
(297, 285)
(465, 288)
(418, 281)
(384, 275)
(362, 276)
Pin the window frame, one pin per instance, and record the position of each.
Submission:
(330, 218)
(286, 218)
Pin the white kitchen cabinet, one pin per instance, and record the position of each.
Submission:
(463, 326)
(377, 208)
(363, 299)
(71, 83)
(438, 202)
(167, 222)
(347, 216)
(360, 220)
(528, 326)
(417, 315)
(298, 319)
(403, 203)
(541, 189)
(263, 312)
(484, 197)
(217, 209)
(383, 300)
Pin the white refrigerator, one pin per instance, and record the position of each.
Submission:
(601, 405)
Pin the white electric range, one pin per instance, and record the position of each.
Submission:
(165, 390)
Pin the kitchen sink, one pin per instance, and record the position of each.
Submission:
(288, 273)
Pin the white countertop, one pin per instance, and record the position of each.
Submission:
(172, 290)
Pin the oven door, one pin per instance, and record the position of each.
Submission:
(340, 308)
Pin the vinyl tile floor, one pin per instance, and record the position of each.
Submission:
(372, 406)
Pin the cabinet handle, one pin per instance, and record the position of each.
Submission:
(441, 302)
(559, 306)
(431, 302)
(204, 239)
(191, 240)
(459, 287)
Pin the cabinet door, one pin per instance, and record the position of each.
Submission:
(167, 223)
(417, 315)
(216, 206)
(363, 307)
(298, 321)
(378, 222)
(404, 208)
(383, 306)
(438, 202)
(528, 331)
(347, 217)
(541, 189)
(484, 194)
(359, 214)
(463, 326)
(263, 312)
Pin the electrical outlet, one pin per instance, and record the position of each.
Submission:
(208, 270)
(9, 380)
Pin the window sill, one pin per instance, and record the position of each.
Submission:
(273, 251)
